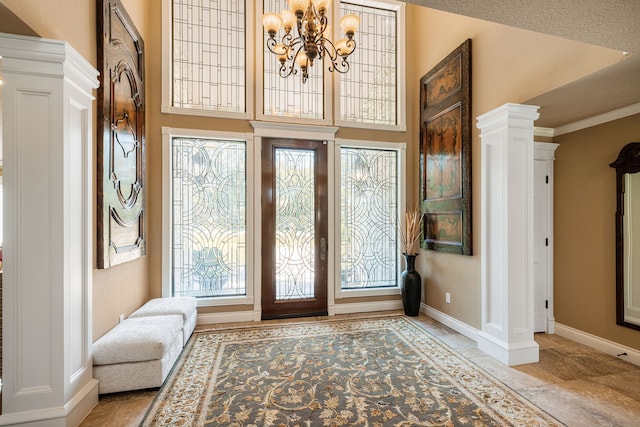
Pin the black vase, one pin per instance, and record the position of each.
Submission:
(411, 286)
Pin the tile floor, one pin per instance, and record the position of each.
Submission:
(576, 384)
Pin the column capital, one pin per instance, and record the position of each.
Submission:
(513, 115)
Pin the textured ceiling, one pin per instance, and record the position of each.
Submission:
(610, 23)
(612, 88)
(613, 24)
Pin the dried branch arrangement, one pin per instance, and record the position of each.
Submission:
(410, 231)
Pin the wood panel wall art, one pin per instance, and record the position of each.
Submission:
(445, 153)
(121, 137)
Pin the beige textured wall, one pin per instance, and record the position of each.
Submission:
(11, 24)
(70, 20)
(123, 288)
(584, 230)
(508, 65)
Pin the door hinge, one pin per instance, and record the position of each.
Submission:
(546, 303)
(546, 241)
(546, 181)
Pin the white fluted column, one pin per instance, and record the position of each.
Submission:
(507, 233)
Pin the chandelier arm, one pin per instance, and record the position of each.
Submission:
(326, 47)
(289, 41)
(341, 66)
(299, 22)
(351, 44)
(294, 44)
(271, 44)
(288, 68)
(322, 27)
(339, 62)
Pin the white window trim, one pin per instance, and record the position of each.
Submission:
(401, 91)
(401, 148)
(167, 212)
(259, 79)
(167, 75)
(294, 131)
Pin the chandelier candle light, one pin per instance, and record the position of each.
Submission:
(310, 19)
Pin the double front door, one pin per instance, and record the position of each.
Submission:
(294, 228)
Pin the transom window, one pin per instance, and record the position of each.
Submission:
(208, 73)
(369, 91)
(289, 97)
(211, 62)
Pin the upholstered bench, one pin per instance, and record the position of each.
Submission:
(137, 353)
(182, 306)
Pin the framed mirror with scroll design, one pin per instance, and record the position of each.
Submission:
(627, 167)
(445, 153)
(121, 137)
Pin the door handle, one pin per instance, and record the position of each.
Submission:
(323, 248)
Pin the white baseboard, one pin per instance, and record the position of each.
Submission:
(82, 403)
(551, 326)
(53, 417)
(252, 316)
(225, 317)
(604, 345)
(70, 414)
(365, 307)
(455, 324)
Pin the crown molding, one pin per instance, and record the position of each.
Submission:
(609, 116)
(543, 132)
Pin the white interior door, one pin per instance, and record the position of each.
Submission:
(540, 244)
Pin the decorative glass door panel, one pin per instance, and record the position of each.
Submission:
(295, 219)
(294, 254)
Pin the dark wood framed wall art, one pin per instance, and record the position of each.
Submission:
(445, 153)
(121, 137)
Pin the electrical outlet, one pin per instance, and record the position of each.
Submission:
(447, 298)
(121, 318)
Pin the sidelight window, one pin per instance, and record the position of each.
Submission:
(207, 206)
(370, 197)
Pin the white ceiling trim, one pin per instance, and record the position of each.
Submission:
(609, 116)
(546, 132)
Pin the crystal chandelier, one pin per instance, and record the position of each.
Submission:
(310, 19)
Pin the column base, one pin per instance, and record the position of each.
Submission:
(510, 354)
(70, 414)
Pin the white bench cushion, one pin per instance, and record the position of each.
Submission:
(137, 340)
(183, 306)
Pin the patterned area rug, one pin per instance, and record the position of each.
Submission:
(385, 371)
